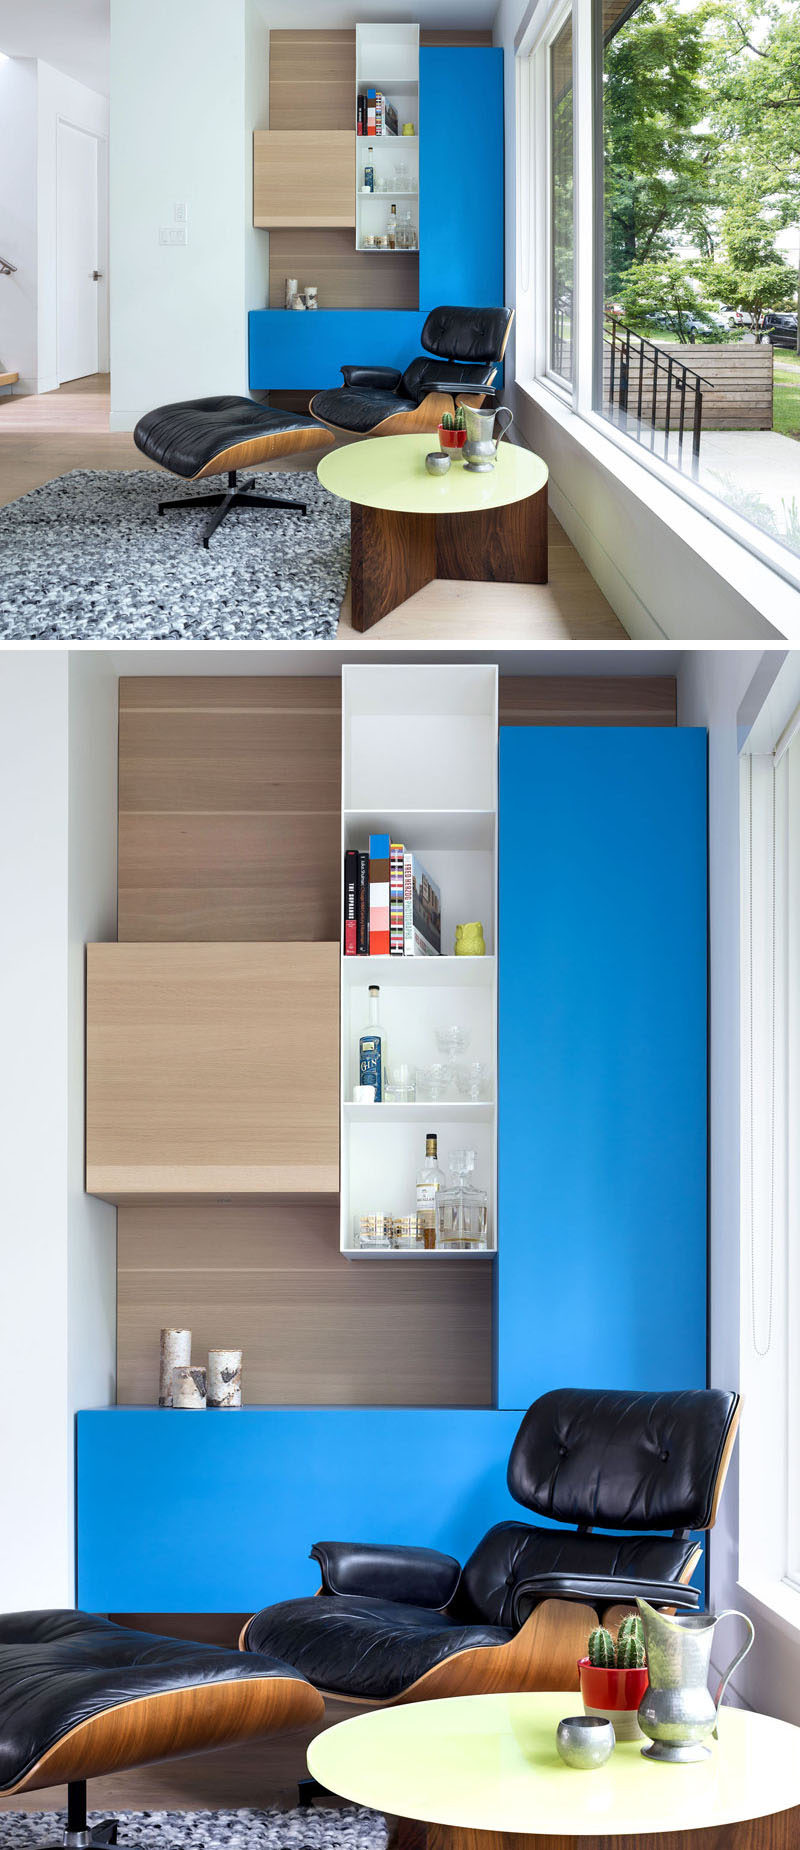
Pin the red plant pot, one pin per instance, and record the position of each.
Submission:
(452, 439)
(616, 1694)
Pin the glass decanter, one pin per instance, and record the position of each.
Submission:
(462, 1215)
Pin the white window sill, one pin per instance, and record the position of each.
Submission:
(776, 1600)
(730, 555)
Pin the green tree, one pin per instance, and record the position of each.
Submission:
(661, 287)
(751, 274)
(755, 70)
(659, 141)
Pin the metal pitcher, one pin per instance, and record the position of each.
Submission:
(677, 1711)
(480, 449)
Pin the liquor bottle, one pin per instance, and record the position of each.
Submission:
(369, 177)
(429, 1182)
(392, 229)
(372, 1049)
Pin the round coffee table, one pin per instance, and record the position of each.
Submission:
(482, 1772)
(408, 527)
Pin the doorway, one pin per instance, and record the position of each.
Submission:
(79, 273)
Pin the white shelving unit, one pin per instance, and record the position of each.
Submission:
(387, 59)
(419, 763)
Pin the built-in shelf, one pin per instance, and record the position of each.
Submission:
(459, 1110)
(420, 765)
(387, 59)
(441, 1252)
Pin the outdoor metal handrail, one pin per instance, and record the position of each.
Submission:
(6, 267)
(680, 378)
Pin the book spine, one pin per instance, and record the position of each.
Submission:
(396, 899)
(363, 905)
(379, 895)
(350, 892)
(408, 903)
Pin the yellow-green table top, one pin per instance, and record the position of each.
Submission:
(490, 1762)
(389, 472)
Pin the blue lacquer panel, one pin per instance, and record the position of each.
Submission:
(293, 350)
(461, 193)
(183, 1513)
(601, 1273)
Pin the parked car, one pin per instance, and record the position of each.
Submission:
(707, 325)
(740, 318)
(779, 330)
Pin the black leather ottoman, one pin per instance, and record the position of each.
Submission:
(217, 436)
(80, 1696)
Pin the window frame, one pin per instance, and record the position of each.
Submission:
(565, 12)
(532, 375)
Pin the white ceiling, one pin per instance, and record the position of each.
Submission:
(328, 658)
(439, 14)
(71, 34)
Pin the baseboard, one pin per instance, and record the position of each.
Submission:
(637, 619)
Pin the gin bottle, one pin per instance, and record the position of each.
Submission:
(372, 1049)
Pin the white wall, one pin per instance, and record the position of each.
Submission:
(699, 586)
(256, 287)
(714, 690)
(61, 98)
(178, 135)
(18, 330)
(56, 1250)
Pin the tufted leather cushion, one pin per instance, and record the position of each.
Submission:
(185, 437)
(466, 333)
(371, 1648)
(418, 1576)
(621, 1460)
(512, 1552)
(58, 1669)
(349, 408)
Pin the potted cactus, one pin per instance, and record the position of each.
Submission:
(453, 430)
(614, 1676)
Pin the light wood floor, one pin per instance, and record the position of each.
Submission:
(42, 437)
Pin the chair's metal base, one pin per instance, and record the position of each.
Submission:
(237, 495)
(79, 1835)
(310, 1789)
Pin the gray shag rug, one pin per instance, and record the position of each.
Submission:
(87, 557)
(348, 1828)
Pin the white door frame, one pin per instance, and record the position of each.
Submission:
(103, 343)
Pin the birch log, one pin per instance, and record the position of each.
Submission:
(176, 1352)
(225, 1377)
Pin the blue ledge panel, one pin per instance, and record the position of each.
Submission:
(216, 1512)
(293, 350)
(461, 189)
(601, 1269)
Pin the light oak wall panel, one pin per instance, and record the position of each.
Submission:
(312, 79)
(345, 277)
(607, 700)
(316, 1329)
(229, 793)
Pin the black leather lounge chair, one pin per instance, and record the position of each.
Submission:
(467, 345)
(80, 1696)
(399, 1624)
(217, 436)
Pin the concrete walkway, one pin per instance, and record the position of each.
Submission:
(756, 472)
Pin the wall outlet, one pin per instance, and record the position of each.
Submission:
(172, 234)
(180, 213)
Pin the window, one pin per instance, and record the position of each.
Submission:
(770, 1179)
(562, 218)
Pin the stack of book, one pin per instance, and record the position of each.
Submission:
(392, 907)
(375, 115)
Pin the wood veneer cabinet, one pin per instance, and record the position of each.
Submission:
(212, 1069)
(304, 177)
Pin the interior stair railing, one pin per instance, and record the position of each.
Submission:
(647, 383)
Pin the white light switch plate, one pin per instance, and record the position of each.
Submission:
(172, 234)
(180, 213)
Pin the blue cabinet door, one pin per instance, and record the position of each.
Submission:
(601, 1271)
(461, 257)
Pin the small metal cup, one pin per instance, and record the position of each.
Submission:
(585, 1741)
(437, 462)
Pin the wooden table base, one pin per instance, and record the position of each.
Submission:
(394, 555)
(777, 1831)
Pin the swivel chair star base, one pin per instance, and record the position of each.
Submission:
(205, 437)
(237, 495)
